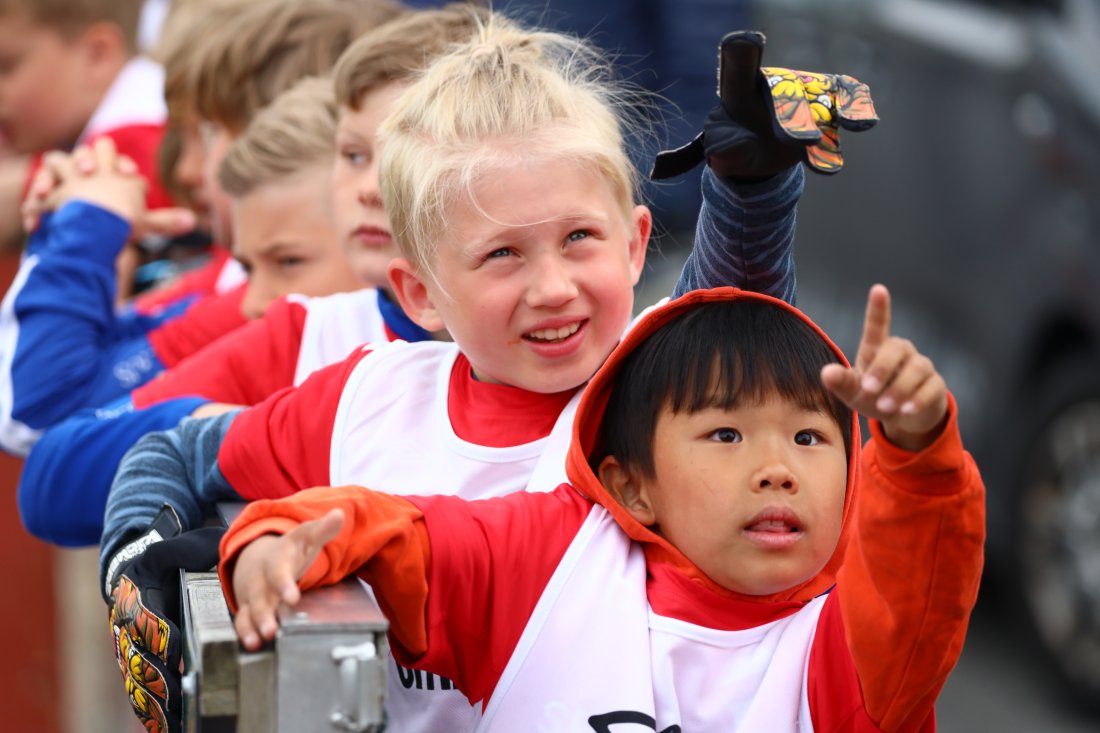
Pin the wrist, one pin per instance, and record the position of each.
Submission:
(164, 526)
(914, 442)
(89, 231)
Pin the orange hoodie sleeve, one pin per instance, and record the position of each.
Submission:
(384, 538)
(911, 572)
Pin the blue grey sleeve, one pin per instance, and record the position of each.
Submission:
(68, 474)
(745, 236)
(178, 467)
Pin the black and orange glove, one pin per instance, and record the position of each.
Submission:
(143, 594)
(769, 118)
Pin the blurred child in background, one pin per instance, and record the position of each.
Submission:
(63, 346)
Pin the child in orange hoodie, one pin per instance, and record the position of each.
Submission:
(725, 557)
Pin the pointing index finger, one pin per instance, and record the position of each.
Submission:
(876, 324)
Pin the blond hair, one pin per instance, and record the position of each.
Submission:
(508, 94)
(294, 132)
(399, 50)
(266, 47)
(72, 17)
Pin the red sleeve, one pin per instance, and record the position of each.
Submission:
(203, 323)
(910, 575)
(486, 577)
(244, 367)
(457, 580)
(383, 536)
(282, 445)
(142, 144)
(836, 699)
(201, 281)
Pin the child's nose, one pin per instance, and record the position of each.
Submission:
(257, 297)
(188, 170)
(775, 475)
(551, 285)
(370, 192)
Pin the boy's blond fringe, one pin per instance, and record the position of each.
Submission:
(508, 94)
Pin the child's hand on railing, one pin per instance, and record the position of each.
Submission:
(266, 575)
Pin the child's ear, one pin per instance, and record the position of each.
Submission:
(105, 50)
(642, 226)
(413, 295)
(625, 489)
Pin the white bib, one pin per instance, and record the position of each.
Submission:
(594, 657)
(392, 433)
(335, 326)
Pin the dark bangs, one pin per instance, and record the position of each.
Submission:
(721, 355)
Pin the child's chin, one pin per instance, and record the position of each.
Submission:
(562, 380)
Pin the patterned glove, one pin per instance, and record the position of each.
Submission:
(771, 118)
(143, 593)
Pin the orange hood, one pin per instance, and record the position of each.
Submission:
(590, 416)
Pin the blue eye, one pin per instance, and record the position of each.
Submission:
(354, 157)
(726, 435)
(498, 253)
(578, 235)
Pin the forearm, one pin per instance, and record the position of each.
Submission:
(178, 467)
(384, 539)
(745, 236)
(911, 573)
(66, 478)
(59, 328)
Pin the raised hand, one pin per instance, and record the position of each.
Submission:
(266, 575)
(891, 381)
(771, 118)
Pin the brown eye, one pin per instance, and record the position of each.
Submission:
(808, 437)
(726, 435)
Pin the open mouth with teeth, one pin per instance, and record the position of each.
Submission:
(553, 335)
(774, 533)
(775, 528)
(773, 525)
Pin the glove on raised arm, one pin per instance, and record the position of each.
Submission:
(143, 593)
(769, 118)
